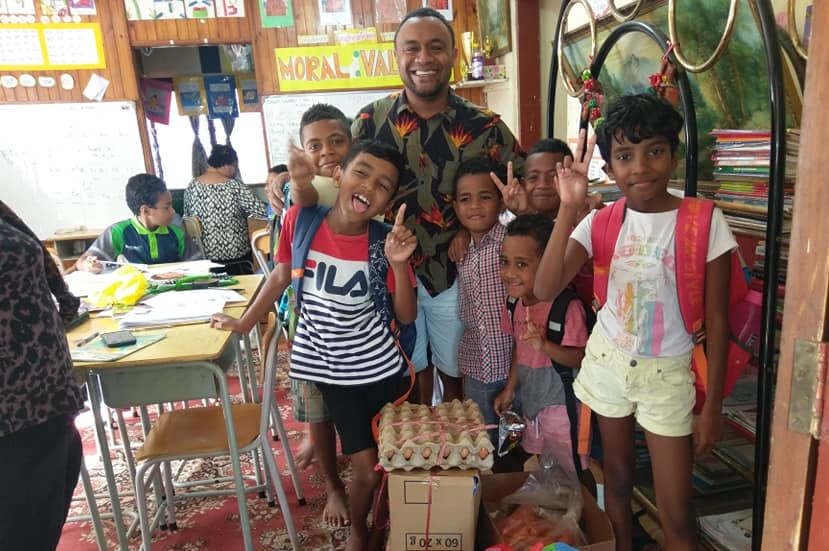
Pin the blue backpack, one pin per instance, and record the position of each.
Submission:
(308, 221)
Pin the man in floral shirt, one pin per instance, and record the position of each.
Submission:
(435, 130)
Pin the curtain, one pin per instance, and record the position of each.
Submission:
(157, 150)
(199, 155)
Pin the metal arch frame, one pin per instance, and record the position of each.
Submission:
(619, 16)
(726, 36)
(566, 6)
(791, 28)
(777, 101)
(685, 93)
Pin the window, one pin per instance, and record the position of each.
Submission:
(175, 144)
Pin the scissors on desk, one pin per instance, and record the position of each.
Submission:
(189, 283)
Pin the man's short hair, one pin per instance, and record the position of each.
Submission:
(425, 12)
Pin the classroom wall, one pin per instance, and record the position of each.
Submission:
(124, 39)
(117, 52)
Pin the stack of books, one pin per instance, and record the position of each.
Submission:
(727, 531)
(741, 171)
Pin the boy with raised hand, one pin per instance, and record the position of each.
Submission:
(342, 342)
(147, 238)
(484, 352)
(325, 135)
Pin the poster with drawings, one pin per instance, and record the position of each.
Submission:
(54, 7)
(199, 9)
(18, 7)
(335, 12)
(82, 7)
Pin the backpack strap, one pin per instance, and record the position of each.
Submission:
(555, 333)
(308, 221)
(693, 226)
(604, 234)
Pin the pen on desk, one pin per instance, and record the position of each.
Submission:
(87, 339)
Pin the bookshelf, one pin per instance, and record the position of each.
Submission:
(69, 246)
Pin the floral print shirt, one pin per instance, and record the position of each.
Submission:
(433, 149)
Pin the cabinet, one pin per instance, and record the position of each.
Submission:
(69, 246)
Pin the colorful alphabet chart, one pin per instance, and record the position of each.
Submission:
(48, 46)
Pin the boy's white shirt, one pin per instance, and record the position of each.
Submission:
(642, 316)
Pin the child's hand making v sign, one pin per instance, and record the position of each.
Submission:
(572, 175)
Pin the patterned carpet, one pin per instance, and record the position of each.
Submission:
(212, 523)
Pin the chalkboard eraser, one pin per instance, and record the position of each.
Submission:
(73, 229)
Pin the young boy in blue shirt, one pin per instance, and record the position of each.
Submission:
(484, 352)
(341, 342)
(147, 238)
(637, 365)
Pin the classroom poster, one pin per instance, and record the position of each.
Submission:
(335, 12)
(199, 9)
(230, 8)
(167, 9)
(276, 13)
(444, 7)
(82, 7)
(54, 7)
(337, 67)
(355, 36)
(248, 92)
(156, 96)
(389, 11)
(190, 95)
(20, 7)
(221, 96)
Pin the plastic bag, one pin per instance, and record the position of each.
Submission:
(126, 288)
(545, 509)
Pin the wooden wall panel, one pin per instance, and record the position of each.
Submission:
(189, 32)
(122, 83)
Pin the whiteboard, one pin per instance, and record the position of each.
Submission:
(283, 112)
(65, 165)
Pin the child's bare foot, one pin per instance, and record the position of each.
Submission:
(335, 512)
(305, 454)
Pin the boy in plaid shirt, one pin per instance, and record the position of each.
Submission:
(484, 352)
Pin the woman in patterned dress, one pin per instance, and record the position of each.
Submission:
(223, 204)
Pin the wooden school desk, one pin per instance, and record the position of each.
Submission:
(189, 363)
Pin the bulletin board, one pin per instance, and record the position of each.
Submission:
(65, 165)
(51, 46)
(283, 112)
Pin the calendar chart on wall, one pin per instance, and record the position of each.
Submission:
(65, 165)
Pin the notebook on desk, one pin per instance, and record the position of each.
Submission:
(97, 351)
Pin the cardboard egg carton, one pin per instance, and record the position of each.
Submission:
(450, 435)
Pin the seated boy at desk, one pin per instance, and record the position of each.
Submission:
(147, 238)
(343, 342)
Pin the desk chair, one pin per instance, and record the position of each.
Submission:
(260, 242)
(201, 432)
(193, 229)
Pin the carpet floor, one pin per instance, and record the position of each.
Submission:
(211, 522)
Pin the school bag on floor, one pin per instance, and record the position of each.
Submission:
(693, 226)
(555, 333)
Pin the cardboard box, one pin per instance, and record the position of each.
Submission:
(494, 487)
(451, 507)
(492, 72)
